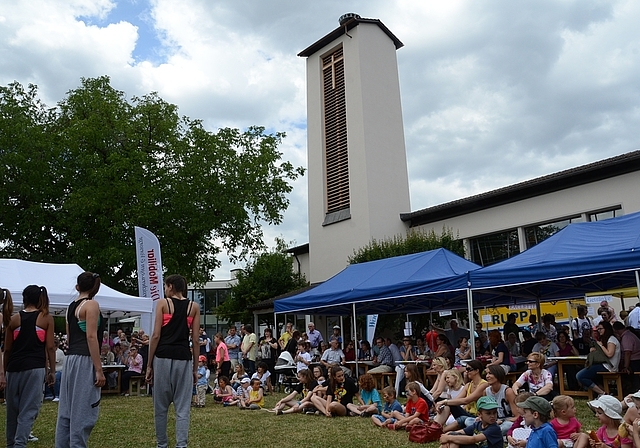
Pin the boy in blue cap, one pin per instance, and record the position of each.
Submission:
(537, 411)
(484, 433)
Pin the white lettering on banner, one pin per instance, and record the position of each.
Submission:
(445, 313)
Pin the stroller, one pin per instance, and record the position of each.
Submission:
(287, 369)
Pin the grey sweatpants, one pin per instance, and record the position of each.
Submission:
(79, 402)
(24, 395)
(172, 382)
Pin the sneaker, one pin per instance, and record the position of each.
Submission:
(55, 400)
(32, 438)
(278, 411)
(48, 397)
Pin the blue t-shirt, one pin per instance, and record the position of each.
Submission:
(390, 407)
(543, 436)
(371, 397)
(202, 381)
(493, 433)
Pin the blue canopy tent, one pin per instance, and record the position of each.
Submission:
(435, 279)
(582, 257)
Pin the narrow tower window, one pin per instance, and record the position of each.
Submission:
(335, 132)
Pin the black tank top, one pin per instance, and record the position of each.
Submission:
(78, 344)
(27, 351)
(174, 336)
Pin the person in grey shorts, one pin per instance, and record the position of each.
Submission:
(82, 376)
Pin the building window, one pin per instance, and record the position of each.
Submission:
(490, 249)
(605, 214)
(335, 133)
(539, 233)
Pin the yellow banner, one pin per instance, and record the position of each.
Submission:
(496, 317)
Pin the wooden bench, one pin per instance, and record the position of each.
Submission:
(136, 383)
(380, 377)
(608, 377)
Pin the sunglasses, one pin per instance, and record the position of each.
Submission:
(469, 369)
(531, 360)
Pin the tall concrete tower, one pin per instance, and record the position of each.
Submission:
(358, 183)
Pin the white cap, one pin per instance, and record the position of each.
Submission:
(336, 327)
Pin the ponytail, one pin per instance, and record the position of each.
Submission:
(7, 306)
(37, 296)
(89, 282)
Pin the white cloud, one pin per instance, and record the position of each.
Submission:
(493, 92)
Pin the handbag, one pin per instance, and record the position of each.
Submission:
(425, 432)
(597, 357)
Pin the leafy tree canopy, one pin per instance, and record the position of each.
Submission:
(78, 177)
(267, 275)
(415, 241)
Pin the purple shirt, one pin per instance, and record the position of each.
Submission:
(315, 338)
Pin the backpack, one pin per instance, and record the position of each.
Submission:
(581, 327)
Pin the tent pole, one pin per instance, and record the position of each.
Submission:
(638, 283)
(471, 323)
(355, 338)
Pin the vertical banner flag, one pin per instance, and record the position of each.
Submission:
(372, 320)
(149, 264)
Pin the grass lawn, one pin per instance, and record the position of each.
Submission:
(128, 422)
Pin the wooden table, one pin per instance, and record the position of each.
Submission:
(106, 369)
(569, 360)
(366, 364)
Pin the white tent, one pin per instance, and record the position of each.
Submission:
(60, 281)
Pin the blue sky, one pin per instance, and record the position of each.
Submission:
(493, 91)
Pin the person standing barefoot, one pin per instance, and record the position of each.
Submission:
(171, 361)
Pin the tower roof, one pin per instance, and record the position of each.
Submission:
(346, 25)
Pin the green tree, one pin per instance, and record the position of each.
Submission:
(77, 178)
(267, 275)
(413, 242)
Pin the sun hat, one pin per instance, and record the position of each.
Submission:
(336, 327)
(636, 395)
(609, 405)
(246, 379)
(202, 358)
(537, 404)
(486, 403)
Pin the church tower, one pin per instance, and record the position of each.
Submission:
(357, 167)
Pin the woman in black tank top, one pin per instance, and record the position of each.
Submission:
(172, 365)
(28, 346)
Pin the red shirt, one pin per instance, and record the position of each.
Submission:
(419, 406)
(430, 340)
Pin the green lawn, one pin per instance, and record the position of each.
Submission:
(128, 422)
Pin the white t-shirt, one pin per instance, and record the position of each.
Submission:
(612, 366)
(580, 325)
(299, 364)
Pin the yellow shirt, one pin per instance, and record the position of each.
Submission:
(253, 394)
(472, 408)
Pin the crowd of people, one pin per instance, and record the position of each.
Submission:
(466, 400)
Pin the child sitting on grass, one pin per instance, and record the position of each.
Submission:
(519, 432)
(608, 412)
(241, 394)
(484, 433)
(565, 424)
(416, 411)
(390, 404)
(537, 411)
(368, 397)
(256, 396)
(224, 391)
